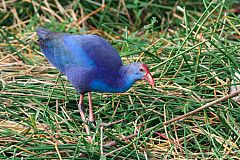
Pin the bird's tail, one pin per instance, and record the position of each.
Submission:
(43, 33)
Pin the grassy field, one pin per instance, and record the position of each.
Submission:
(192, 48)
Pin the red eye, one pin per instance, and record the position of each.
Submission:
(140, 69)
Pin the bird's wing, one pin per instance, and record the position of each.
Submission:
(81, 50)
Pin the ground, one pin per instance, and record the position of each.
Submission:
(192, 49)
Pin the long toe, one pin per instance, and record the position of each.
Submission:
(92, 123)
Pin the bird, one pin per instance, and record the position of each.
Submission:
(90, 64)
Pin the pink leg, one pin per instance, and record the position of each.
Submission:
(91, 115)
(82, 113)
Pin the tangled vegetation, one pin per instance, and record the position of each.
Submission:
(192, 49)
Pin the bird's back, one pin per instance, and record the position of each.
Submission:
(89, 51)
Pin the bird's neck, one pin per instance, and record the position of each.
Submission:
(125, 80)
(113, 82)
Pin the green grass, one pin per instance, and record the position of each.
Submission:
(192, 49)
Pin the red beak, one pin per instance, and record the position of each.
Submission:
(148, 77)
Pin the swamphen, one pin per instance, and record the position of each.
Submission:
(91, 64)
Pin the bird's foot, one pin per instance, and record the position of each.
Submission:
(93, 123)
(112, 123)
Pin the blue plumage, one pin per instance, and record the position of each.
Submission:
(62, 49)
(89, 62)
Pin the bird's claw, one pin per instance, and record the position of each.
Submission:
(93, 123)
